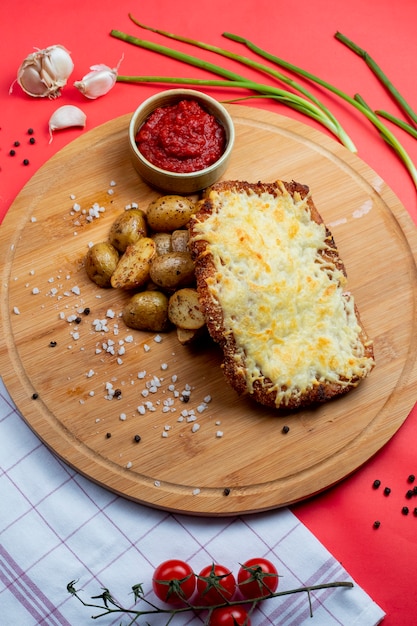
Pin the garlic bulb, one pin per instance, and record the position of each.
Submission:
(44, 72)
(99, 81)
(65, 117)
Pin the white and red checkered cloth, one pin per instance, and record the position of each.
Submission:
(56, 526)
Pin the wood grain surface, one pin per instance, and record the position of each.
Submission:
(44, 287)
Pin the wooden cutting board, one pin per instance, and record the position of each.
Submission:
(253, 466)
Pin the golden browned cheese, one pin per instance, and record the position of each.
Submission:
(273, 290)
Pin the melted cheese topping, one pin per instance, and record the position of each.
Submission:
(285, 304)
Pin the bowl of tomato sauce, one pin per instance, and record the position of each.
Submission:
(181, 140)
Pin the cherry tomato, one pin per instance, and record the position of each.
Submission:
(173, 581)
(257, 578)
(215, 584)
(229, 616)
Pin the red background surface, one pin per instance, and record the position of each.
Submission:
(383, 561)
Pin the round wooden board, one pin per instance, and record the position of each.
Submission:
(43, 242)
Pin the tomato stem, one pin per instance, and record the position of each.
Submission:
(110, 606)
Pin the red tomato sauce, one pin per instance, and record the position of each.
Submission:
(182, 137)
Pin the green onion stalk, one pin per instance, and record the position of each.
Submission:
(383, 78)
(387, 135)
(307, 104)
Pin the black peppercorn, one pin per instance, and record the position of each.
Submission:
(409, 494)
(35, 396)
(30, 131)
(52, 344)
(12, 152)
(117, 393)
(32, 140)
(185, 398)
(86, 311)
(285, 429)
(377, 524)
(226, 491)
(108, 435)
(16, 143)
(405, 510)
(137, 438)
(387, 491)
(376, 484)
(411, 478)
(77, 320)
(25, 161)
(415, 511)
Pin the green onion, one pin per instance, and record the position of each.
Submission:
(388, 136)
(376, 69)
(400, 123)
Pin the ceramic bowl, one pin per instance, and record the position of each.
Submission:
(174, 182)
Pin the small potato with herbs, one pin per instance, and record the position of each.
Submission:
(169, 213)
(179, 240)
(172, 270)
(100, 263)
(184, 309)
(128, 228)
(147, 310)
(133, 269)
(163, 242)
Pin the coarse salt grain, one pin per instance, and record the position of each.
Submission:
(219, 433)
(122, 417)
(16, 310)
(195, 427)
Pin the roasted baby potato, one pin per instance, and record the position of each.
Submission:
(147, 310)
(169, 213)
(184, 309)
(163, 242)
(187, 337)
(100, 263)
(127, 229)
(179, 240)
(172, 270)
(132, 270)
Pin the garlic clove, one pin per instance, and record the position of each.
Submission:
(44, 72)
(98, 81)
(65, 117)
